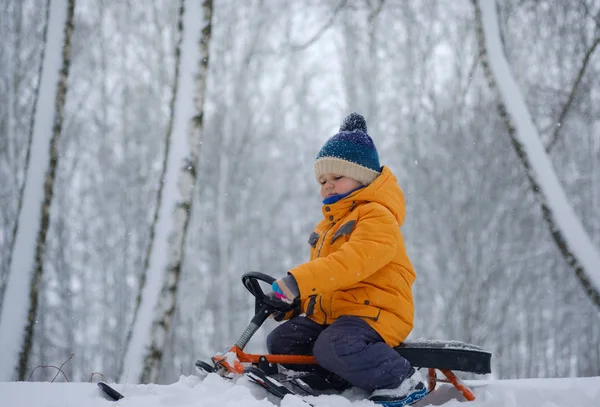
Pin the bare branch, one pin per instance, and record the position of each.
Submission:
(376, 11)
(321, 31)
(567, 106)
(96, 373)
(470, 77)
(54, 367)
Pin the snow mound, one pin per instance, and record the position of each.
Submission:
(191, 391)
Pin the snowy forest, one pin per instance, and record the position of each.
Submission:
(152, 152)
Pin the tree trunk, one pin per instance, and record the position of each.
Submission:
(11, 97)
(165, 312)
(158, 288)
(21, 300)
(567, 231)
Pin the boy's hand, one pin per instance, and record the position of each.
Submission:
(278, 316)
(286, 289)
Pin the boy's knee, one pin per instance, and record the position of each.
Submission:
(274, 345)
(326, 351)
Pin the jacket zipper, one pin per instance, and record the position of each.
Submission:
(319, 254)
(323, 241)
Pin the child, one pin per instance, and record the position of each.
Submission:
(355, 291)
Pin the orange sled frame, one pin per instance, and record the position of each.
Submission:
(443, 356)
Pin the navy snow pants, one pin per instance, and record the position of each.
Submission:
(349, 348)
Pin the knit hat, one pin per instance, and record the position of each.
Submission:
(351, 152)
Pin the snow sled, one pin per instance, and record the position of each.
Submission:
(267, 371)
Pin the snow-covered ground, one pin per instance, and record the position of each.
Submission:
(214, 391)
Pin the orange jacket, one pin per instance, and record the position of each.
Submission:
(358, 263)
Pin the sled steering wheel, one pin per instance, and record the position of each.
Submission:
(251, 282)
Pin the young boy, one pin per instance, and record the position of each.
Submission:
(355, 291)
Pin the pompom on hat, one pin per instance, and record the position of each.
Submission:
(351, 152)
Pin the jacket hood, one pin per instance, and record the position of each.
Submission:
(384, 191)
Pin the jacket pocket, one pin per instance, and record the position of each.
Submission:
(310, 307)
(345, 229)
(354, 302)
(313, 239)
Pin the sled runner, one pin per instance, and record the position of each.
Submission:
(436, 356)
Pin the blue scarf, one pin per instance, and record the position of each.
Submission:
(334, 198)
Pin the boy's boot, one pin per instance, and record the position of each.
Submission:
(411, 390)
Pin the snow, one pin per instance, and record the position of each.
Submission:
(15, 308)
(566, 220)
(218, 392)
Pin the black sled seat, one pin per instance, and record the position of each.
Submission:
(446, 355)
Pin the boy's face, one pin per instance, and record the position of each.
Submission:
(336, 184)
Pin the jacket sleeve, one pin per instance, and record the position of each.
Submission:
(372, 244)
(281, 316)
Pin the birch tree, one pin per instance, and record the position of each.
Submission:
(17, 74)
(156, 305)
(20, 302)
(565, 227)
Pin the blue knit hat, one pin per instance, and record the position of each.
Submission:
(351, 152)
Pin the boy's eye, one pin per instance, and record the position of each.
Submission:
(322, 182)
(338, 177)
